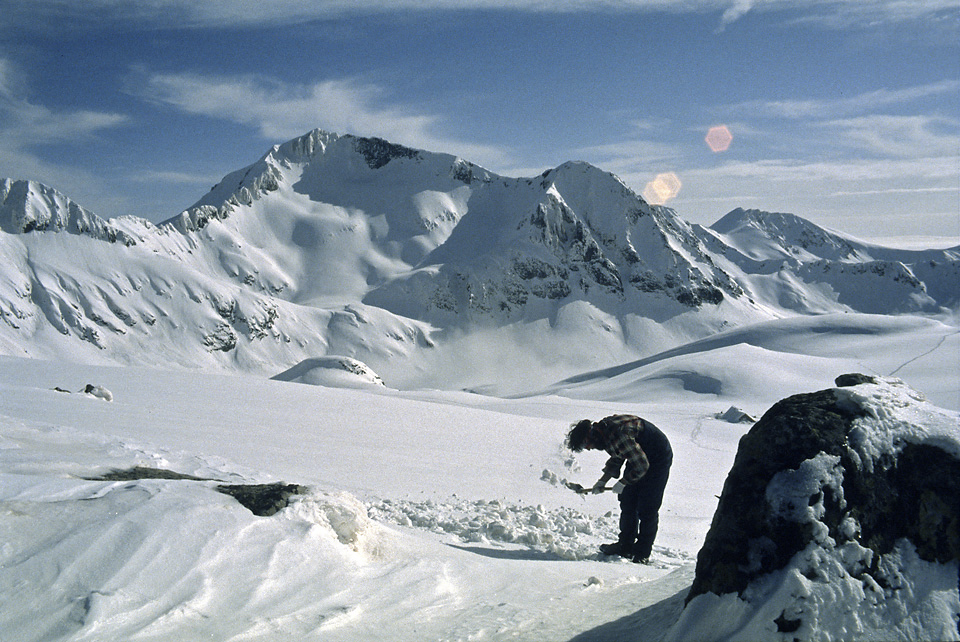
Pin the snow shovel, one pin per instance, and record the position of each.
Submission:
(580, 490)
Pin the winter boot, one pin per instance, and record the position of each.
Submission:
(616, 548)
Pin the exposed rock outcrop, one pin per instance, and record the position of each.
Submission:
(262, 500)
(839, 519)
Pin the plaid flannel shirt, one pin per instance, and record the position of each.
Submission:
(620, 433)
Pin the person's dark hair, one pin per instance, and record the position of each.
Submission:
(577, 436)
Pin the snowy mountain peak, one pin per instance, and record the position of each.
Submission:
(314, 162)
(528, 247)
(335, 244)
(789, 234)
(28, 206)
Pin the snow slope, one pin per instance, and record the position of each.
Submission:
(433, 511)
(428, 269)
(429, 515)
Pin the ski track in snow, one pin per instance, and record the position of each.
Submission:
(940, 343)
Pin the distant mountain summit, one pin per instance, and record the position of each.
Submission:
(814, 269)
(755, 232)
(573, 233)
(337, 245)
(27, 206)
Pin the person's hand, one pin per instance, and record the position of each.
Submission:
(599, 487)
(618, 487)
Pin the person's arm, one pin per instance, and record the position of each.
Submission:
(601, 483)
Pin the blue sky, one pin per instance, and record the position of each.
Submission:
(845, 112)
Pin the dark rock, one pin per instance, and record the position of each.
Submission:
(910, 492)
(260, 499)
(743, 543)
(143, 472)
(378, 152)
(263, 499)
(854, 379)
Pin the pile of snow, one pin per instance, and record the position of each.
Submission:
(897, 414)
(564, 533)
(332, 371)
(917, 601)
(166, 559)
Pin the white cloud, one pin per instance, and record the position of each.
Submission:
(29, 124)
(867, 198)
(173, 177)
(221, 13)
(832, 108)
(736, 10)
(898, 136)
(25, 125)
(632, 156)
(280, 111)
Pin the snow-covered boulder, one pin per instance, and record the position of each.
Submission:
(839, 520)
(332, 371)
(734, 415)
(98, 391)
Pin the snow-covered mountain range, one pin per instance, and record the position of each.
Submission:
(401, 258)
(153, 414)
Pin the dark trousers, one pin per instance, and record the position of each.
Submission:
(640, 511)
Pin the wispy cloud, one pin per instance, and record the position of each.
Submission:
(870, 197)
(919, 172)
(898, 136)
(220, 13)
(279, 110)
(173, 178)
(837, 107)
(25, 126)
(26, 123)
(736, 10)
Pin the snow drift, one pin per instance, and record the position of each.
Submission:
(331, 371)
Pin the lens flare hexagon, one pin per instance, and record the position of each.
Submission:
(662, 188)
(718, 138)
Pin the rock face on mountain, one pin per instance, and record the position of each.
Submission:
(838, 520)
(574, 232)
(338, 245)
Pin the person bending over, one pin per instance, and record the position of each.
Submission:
(648, 456)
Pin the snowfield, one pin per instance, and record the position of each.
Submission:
(404, 338)
(429, 514)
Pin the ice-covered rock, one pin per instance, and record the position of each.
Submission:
(735, 415)
(839, 520)
(99, 392)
